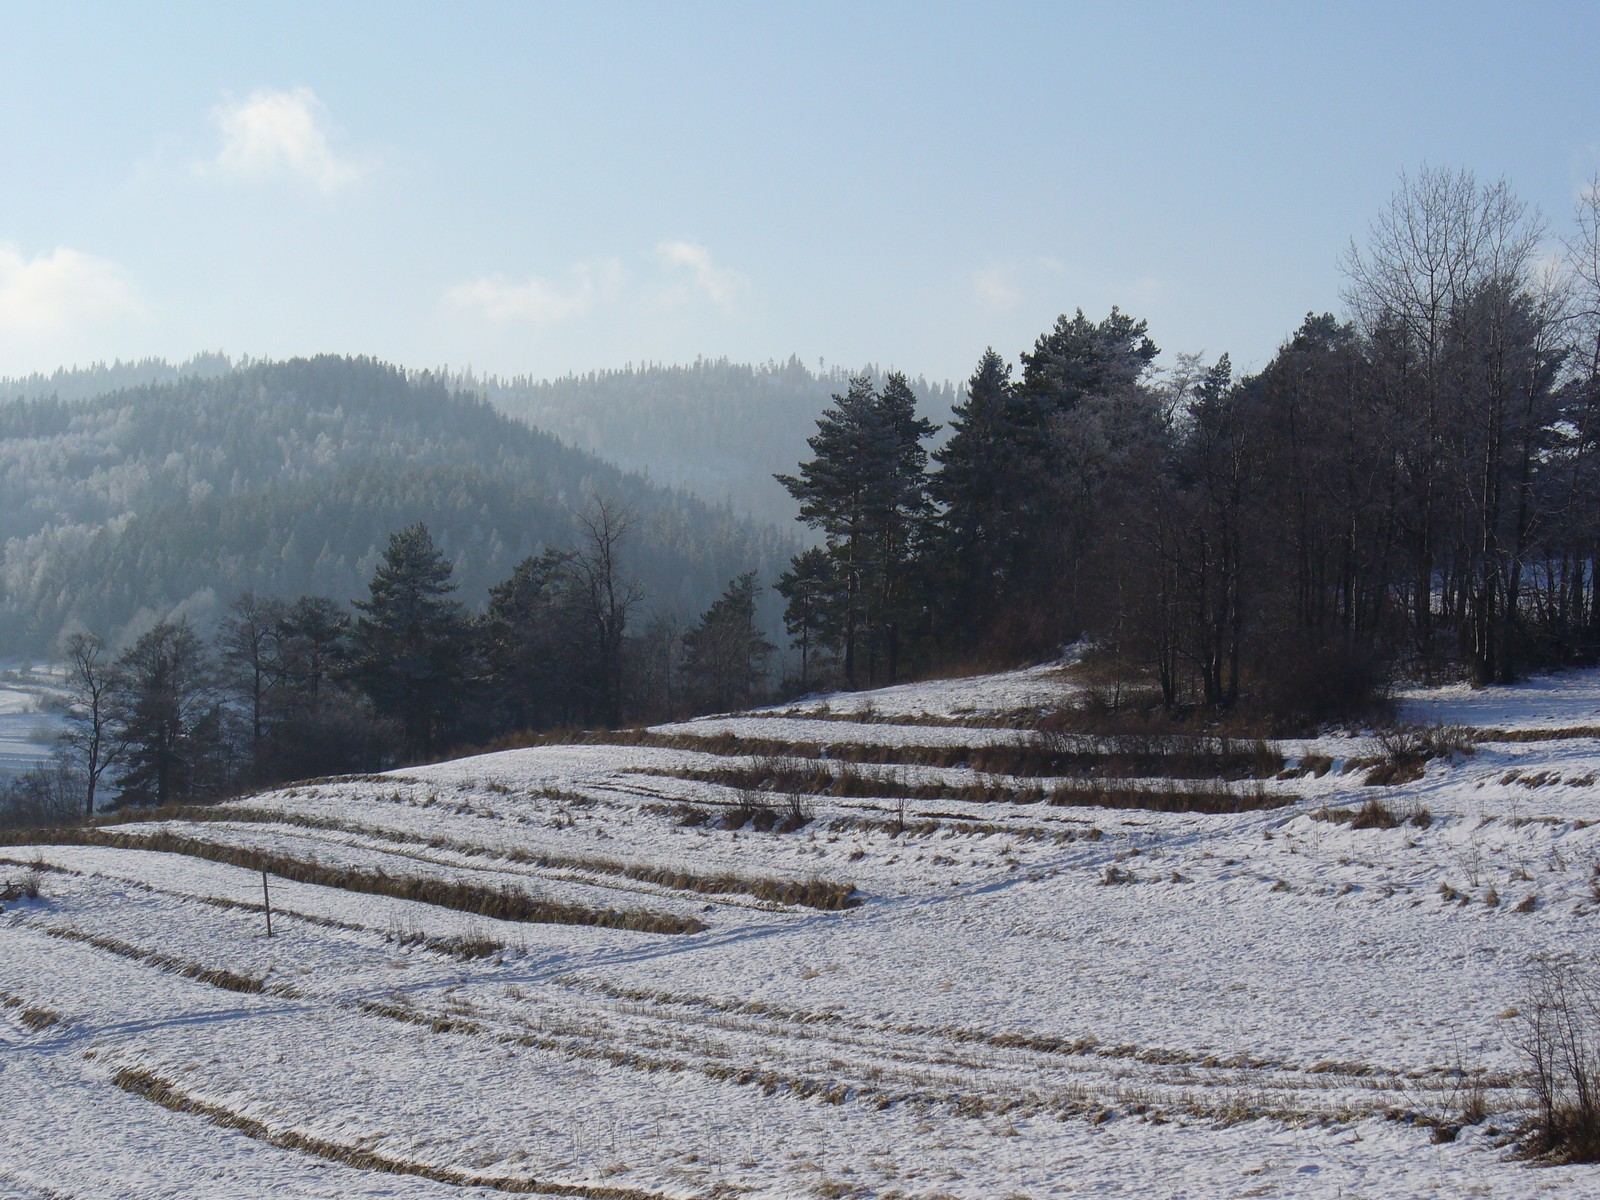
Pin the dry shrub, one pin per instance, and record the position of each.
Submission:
(27, 886)
(1407, 749)
(1559, 1040)
(797, 813)
(1375, 814)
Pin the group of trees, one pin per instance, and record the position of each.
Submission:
(1418, 485)
(306, 688)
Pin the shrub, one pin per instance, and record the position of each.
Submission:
(797, 813)
(1375, 814)
(1560, 1044)
(26, 887)
(1317, 684)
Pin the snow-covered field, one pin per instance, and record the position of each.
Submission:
(1023, 999)
(28, 722)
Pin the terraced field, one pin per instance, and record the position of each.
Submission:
(897, 946)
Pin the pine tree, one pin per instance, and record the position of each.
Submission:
(837, 490)
(726, 654)
(865, 488)
(901, 513)
(533, 630)
(412, 643)
(810, 616)
(976, 482)
(313, 645)
(1079, 358)
(166, 713)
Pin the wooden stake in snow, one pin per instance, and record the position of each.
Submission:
(266, 899)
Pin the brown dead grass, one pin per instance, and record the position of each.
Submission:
(1046, 754)
(221, 977)
(850, 783)
(34, 1017)
(823, 894)
(152, 1087)
(504, 903)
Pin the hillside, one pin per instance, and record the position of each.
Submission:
(287, 478)
(719, 429)
(889, 944)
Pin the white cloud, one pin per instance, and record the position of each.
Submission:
(718, 284)
(53, 291)
(539, 301)
(281, 133)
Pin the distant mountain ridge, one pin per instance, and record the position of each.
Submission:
(719, 428)
(84, 383)
(287, 478)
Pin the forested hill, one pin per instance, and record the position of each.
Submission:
(97, 379)
(720, 429)
(287, 478)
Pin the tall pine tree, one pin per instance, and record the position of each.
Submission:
(865, 489)
(412, 642)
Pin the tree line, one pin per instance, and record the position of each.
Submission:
(1414, 488)
(307, 688)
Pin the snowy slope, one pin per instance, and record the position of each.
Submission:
(1022, 999)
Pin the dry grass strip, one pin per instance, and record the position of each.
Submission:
(220, 977)
(147, 1085)
(758, 776)
(821, 894)
(1124, 757)
(505, 903)
(826, 895)
(1568, 733)
(33, 1016)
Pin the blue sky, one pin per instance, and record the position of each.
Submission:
(540, 189)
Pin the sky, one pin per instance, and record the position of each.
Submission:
(541, 189)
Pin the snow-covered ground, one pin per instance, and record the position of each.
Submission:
(29, 722)
(1025, 1000)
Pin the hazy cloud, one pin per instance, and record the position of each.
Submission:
(994, 288)
(539, 301)
(1002, 286)
(281, 133)
(54, 291)
(718, 284)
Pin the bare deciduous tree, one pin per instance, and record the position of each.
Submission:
(611, 595)
(91, 737)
